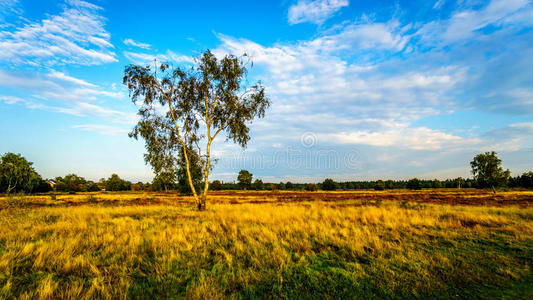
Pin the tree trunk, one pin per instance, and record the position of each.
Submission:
(203, 200)
(189, 177)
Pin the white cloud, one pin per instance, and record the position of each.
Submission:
(8, 7)
(419, 138)
(64, 77)
(77, 36)
(133, 43)
(362, 36)
(61, 93)
(11, 99)
(146, 58)
(316, 11)
(465, 23)
(439, 4)
(102, 129)
(56, 86)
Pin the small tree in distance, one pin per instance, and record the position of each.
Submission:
(459, 181)
(216, 185)
(258, 185)
(176, 103)
(244, 179)
(487, 171)
(329, 185)
(311, 187)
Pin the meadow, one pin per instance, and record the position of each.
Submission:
(308, 245)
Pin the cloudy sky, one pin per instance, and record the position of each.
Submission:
(359, 89)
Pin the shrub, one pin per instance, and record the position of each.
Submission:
(311, 187)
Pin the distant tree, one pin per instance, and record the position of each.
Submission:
(244, 179)
(379, 186)
(311, 187)
(289, 185)
(258, 185)
(436, 184)
(329, 185)
(487, 171)
(281, 186)
(216, 185)
(459, 181)
(71, 183)
(74, 179)
(40, 185)
(214, 92)
(164, 181)
(92, 187)
(272, 187)
(414, 184)
(17, 174)
(60, 186)
(389, 184)
(349, 186)
(115, 183)
(526, 180)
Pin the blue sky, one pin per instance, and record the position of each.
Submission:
(359, 89)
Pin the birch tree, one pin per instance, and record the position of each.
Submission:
(186, 109)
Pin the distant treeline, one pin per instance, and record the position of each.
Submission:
(523, 181)
(17, 175)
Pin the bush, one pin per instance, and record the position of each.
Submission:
(311, 187)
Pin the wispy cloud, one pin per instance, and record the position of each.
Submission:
(146, 58)
(70, 79)
(11, 99)
(61, 93)
(77, 35)
(314, 11)
(8, 7)
(439, 4)
(133, 43)
(102, 129)
(467, 23)
(419, 138)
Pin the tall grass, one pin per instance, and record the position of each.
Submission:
(272, 250)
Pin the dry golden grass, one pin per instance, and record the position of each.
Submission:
(257, 245)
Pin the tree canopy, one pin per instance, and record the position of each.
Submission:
(17, 174)
(487, 170)
(244, 179)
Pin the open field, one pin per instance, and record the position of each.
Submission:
(362, 244)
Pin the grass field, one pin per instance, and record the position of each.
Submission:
(366, 244)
